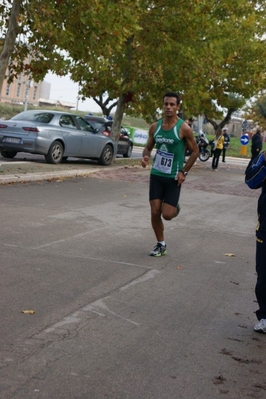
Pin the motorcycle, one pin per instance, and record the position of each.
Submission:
(202, 142)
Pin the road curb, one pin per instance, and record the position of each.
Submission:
(47, 176)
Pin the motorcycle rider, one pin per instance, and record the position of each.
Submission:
(202, 140)
(202, 143)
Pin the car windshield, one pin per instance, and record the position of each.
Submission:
(96, 124)
(85, 125)
(43, 117)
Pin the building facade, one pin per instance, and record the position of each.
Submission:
(22, 90)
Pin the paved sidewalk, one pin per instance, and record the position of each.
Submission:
(17, 171)
(25, 171)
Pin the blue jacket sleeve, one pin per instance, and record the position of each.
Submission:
(255, 173)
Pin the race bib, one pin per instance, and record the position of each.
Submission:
(163, 161)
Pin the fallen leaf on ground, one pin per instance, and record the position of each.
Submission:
(220, 379)
(230, 255)
(179, 267)
(28, 311)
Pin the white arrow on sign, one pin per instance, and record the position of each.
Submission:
(244, 140)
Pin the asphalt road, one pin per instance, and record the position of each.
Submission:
(112, 322)
(23, 156)
(136, 153)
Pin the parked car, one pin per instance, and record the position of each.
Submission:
(56, 135)
(104, 125)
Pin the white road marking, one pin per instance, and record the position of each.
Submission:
(152, 273)
(99, 306)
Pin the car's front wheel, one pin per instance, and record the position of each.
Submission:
(107, 155)
(55, 153)
(8, 154)
(129, 152)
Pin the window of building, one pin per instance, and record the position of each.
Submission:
(35, 92)
(7, 89)
(18, 89)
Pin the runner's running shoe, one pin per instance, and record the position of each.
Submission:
(261, 326)
(158, 250)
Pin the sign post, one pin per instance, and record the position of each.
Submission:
(244, 140)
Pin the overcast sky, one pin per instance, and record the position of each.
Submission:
(62, 88)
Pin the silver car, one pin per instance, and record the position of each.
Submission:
(56, 135)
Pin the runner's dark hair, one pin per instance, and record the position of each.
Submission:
(172, 94)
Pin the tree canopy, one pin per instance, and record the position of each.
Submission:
(212, 53)
(256, 110)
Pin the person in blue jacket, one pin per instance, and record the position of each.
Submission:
(255, 177)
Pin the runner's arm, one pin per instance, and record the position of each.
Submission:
(187, 134)
(149, 146)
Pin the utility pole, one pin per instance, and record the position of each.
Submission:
(78, 98)
(200, 124)
(28, 85)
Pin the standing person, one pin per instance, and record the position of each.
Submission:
(217, 152)
(226, 142)
(256, 144)
(256, 178)
(169, 135)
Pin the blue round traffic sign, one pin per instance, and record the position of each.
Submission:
(244, 139)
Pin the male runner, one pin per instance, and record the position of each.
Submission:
(169, 135)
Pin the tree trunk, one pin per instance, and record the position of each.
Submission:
(103, 104)
(10, 39)
(218, 127)
(118, 116)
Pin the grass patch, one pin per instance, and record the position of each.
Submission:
(127, 161)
